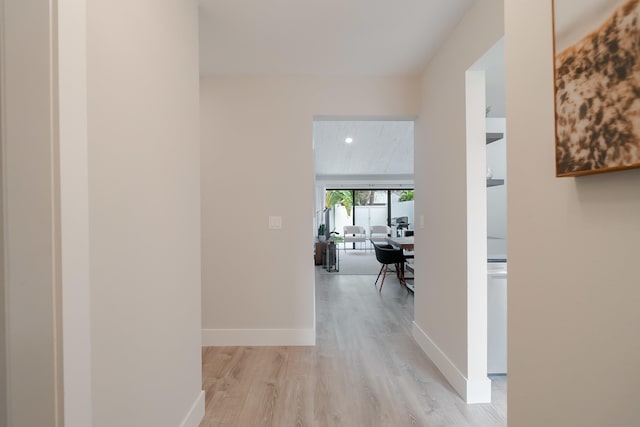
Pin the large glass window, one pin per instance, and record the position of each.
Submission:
(370, 207)
(401, 211)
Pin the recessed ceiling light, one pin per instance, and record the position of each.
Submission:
(348, 140)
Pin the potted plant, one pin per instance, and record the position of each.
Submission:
(321, 231)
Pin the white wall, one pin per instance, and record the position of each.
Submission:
(74, 211)
(31, 280)
(3, 319)
(3, 323)
(477, 388)
(440, 180)
(257, 151)
(492, 62)
(573, 245)
(144, 210)
(140, 183)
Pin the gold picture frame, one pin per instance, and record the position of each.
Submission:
(597, 86)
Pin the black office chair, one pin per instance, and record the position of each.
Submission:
(387, 255)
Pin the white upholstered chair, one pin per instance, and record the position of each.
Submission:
(354, 234)
(379, 233)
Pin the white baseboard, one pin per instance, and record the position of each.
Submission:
(258, 337)
(196, 413)
(472, 391)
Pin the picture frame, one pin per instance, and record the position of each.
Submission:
(596, 86)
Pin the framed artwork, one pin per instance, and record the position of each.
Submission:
(597, 85)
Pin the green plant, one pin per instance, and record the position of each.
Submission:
(406, 196)
(321, 230)
(364, 198)
(343, 197)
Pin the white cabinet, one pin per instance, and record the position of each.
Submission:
(497, 318)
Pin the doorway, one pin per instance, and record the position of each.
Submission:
(486, 201)
(363, 168)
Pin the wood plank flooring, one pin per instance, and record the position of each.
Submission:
(366, 370)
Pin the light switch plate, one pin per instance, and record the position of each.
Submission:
(275, 222)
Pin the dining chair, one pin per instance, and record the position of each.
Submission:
(354, 234)
(379, 233)
(388, 255)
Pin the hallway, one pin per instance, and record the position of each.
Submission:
(366, 370)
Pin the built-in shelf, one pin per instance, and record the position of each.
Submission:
(494, 136)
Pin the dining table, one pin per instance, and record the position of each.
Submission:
(406, 244)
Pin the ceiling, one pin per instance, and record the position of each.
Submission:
(323, 37)
(378, 148)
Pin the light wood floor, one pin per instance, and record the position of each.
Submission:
(365, 370)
